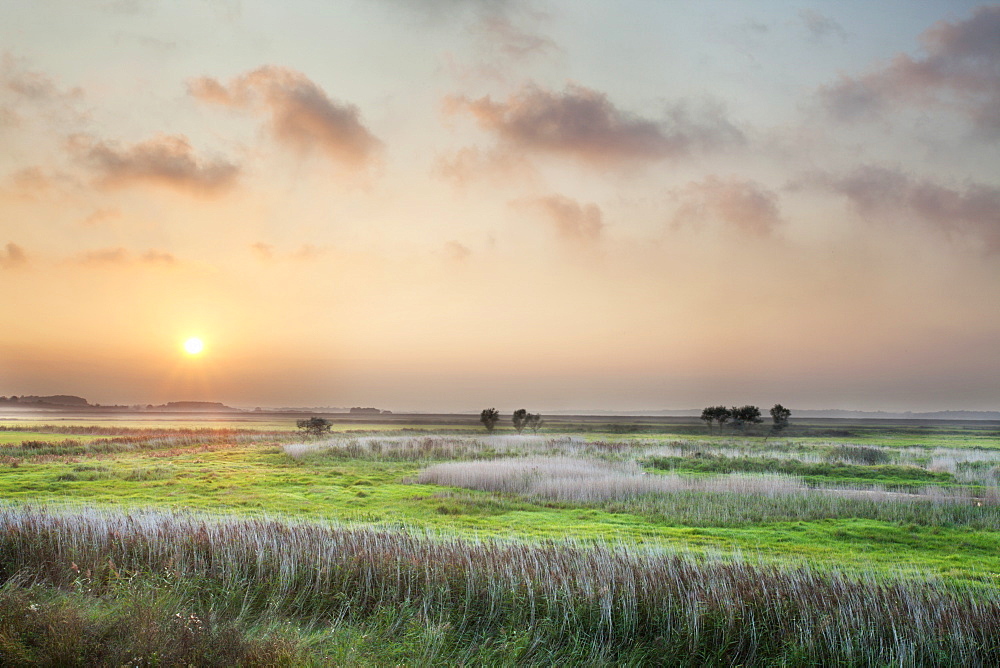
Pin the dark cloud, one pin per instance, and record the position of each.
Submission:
(301, 114)
(959, 69)
(584, 124)
(167, 160)
(740, 204)
(12, 256)
(821, 27)
(877, 192)
(571, 220)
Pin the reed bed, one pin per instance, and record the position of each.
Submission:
(581, 480)
(438, 448)
(603, 604)
(725, 500)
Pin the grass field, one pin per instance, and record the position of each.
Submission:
(786, 550)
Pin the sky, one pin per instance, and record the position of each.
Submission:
(444, 205)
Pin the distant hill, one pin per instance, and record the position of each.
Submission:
(52, 400)
(206, 406)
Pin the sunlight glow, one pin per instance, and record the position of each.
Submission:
(193, 346)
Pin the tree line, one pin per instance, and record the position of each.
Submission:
(521, 420)
(741, 416)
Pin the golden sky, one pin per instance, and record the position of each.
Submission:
(452, 204)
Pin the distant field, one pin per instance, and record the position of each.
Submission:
(912, 506)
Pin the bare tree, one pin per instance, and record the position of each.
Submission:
(534, 422)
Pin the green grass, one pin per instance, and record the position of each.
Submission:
(227, 473)
(253, 480)
(19, 436)
(893, 476)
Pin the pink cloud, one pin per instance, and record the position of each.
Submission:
(301, 114)
(167, 160)
(741, 204)
(12, 256)
(571, 220)
(959, 69)
(456, 251)
(877, 192)
(582, 123)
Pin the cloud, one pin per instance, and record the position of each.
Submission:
(959, 69)
(571, 220)
(740, 204)
(502, 45)
(456, 251)
(305, 252)
(30, 183)
(582, 123)
(119, 256)
(820, 26)
(12, 256)
(31, 85)
(28, 95)
(471, 163)
(104, 256)
(102, 215)
(301, 114)
(34, 184)
(158, 257)
(511, 41)
(262, 251)
(877, 192)
(308, 252)
(167, 160)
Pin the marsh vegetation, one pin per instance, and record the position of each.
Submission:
(261, 547)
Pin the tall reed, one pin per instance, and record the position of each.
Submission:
(605, 604)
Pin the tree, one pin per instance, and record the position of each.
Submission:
(779, 416)
(519, 419)
(534, 422)
(489, 417)
(745, 415)
(315, 426)
(720, 414)
(708, 415)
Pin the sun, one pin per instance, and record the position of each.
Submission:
(193, 346)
